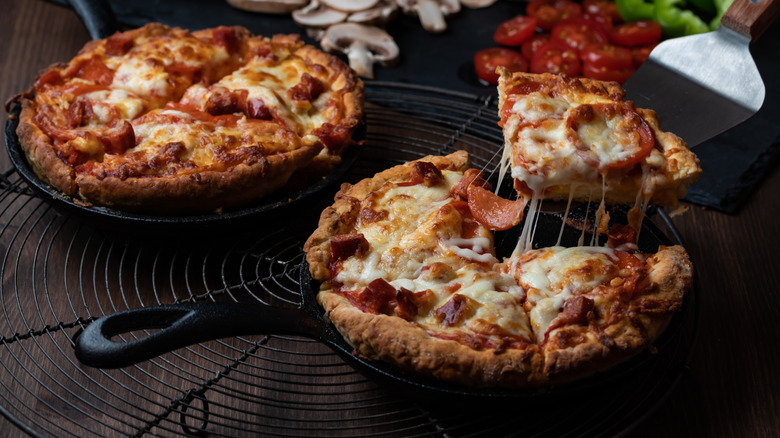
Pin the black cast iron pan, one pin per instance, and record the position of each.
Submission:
(179, 325)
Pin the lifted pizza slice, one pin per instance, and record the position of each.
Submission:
(577, 138)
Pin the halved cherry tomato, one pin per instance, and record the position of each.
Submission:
(486, 61)
(493, 211)
(579, 31)
(607, 55)
(605, 23)
(637, 33)
(515, 31)
(640, 54)
(603, 73)
(548, 13)
(556, 57)
(533, 43)
(607, 8)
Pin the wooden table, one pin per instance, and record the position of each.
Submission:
(733, 386)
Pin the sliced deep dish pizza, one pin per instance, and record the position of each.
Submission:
(163, 120)
(409, 275)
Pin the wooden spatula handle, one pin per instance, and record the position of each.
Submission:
(751, 17)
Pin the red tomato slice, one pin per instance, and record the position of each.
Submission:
(515, 31)
(603, 73)
(638, 33)
(556, 57)
(548, 13)
(607, 55)
(578, 32)
(493, 211)
(607, 8)
(486, 61)
(640, 54)
(533, 43)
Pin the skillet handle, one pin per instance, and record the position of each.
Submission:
(97, 16)
(181, 325)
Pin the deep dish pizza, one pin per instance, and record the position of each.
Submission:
(409, 275)
(164, 120)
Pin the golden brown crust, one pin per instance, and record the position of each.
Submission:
(196, 192)
(409, 346)
(41, 156)
(616, 329)
(66, 148)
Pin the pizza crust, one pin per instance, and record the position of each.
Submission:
(199, 191)
(410, 347)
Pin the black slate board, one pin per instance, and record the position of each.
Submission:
(734, 163)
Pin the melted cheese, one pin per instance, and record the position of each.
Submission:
(421, 230)
(555, 274)
(107, 103)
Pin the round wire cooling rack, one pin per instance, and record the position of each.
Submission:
(60, 273)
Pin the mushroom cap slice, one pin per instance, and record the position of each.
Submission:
(268, 6)
(350, 5)
(382, 13)
(316, 14)
(476, 4)
(364, 45)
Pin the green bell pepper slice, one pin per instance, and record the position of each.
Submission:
(676, 21)
(635, 10)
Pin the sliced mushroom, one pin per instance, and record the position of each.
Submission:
(364, 45)
(318, 15)
(379, 15)
(431, 12)
(268, 6)
(350, 5)
(476, 4)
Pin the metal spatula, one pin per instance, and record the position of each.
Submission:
(702, 85)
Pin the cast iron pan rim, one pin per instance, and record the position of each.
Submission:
(273, 203)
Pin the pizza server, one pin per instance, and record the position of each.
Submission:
(702, 85)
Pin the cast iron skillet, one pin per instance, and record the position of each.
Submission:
(101, 23)
(185, 324)
(274, 204)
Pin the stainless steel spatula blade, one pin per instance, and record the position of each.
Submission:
(703, 85)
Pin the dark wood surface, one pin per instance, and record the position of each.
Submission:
(733, 386)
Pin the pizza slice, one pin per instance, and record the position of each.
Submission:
(569, 138)
(590, 307)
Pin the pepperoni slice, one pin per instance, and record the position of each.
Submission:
(93, 70)
(118, 44)
(470, 177)
(633, 137)
(346, 245)
(493, 211)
